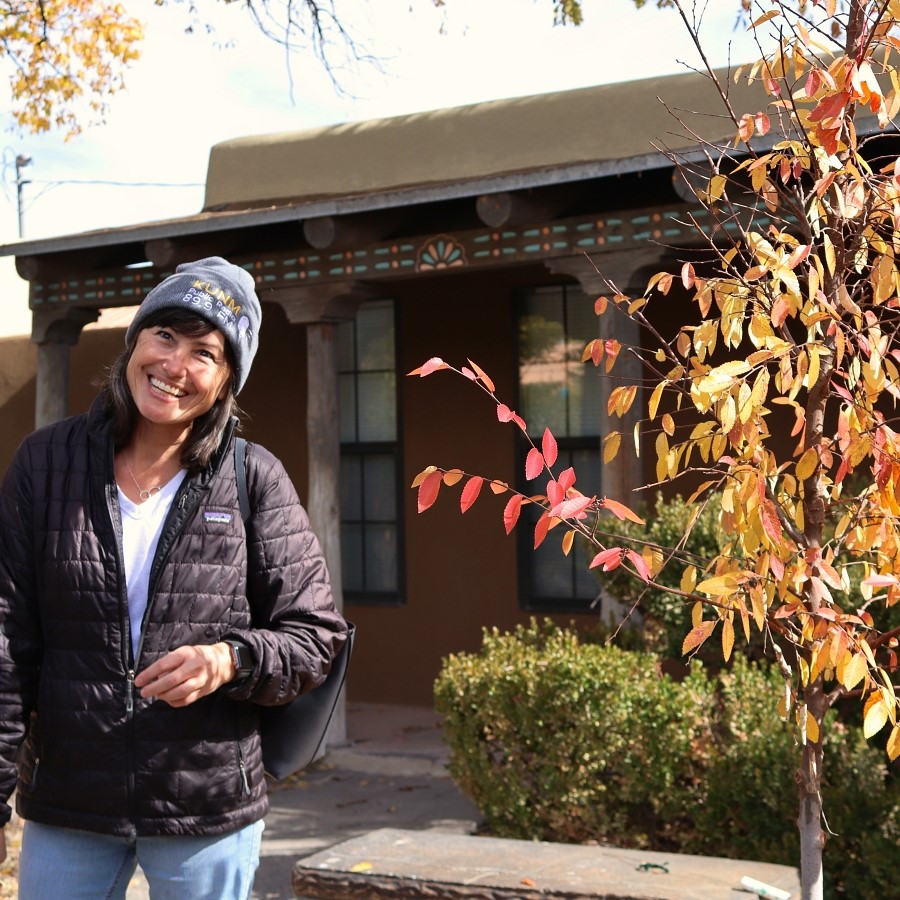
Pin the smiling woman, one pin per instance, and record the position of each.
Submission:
(187, 619)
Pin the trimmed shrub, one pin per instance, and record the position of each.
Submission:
(563, 741)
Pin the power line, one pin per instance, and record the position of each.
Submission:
(54, 182)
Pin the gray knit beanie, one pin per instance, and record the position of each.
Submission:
(221, 293)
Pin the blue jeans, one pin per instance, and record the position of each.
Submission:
(81, 865)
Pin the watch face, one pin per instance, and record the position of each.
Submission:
(241, 656)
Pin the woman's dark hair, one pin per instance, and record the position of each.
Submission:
(206, 432)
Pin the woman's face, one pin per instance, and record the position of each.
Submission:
(174, 378)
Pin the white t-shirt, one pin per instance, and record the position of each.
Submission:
(141, 527)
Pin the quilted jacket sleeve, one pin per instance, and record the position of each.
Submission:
(296, 629)
(20, 644)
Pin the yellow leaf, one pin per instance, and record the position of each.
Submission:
(655, 397)
(812, 729)
(668, 424)
(689, 579)
(696, 614)
(876, 716)
(807, 463)
(829, 252)
(718, 586)
(727, 639)
(653, 557)
(567, 541)
(452, 476)
(893, 743)
(698, 635)
(662, 452)
(361, 867)
(611, 446)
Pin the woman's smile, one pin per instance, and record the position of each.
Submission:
(175, 378)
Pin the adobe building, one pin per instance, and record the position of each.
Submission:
(483, 232)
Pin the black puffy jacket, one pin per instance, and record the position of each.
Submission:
(96, 755)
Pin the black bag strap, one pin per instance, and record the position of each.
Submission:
(240, 471)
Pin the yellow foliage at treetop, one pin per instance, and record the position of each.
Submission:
(67, 60)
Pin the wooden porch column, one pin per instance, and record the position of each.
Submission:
(622, 475)
(55, 331)
(320, 308)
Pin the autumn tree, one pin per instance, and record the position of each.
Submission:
(797, 318)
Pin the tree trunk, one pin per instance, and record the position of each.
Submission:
(812, 836)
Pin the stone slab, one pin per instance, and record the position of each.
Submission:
(407, 865)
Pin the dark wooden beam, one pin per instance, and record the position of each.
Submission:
(523, 207)
(324, 232)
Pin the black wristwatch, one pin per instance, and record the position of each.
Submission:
(242, 657)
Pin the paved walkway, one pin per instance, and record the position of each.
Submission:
(391, 774)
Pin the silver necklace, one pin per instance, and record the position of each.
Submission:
(143, 493)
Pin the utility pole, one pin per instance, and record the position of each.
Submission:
(21, 162)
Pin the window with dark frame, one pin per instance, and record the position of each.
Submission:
(370, 507)
(559, 392)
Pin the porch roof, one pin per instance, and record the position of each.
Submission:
(502, 145)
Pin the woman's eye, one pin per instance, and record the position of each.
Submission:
(165, 335)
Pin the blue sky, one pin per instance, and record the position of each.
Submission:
(188, 92)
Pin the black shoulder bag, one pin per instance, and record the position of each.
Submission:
(292, 735)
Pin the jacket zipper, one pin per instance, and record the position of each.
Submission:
(127, 656)
(245, 782)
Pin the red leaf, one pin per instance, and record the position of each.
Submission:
(548, 445)
(639, 563)
(541, 529)
(687, 276)
(469, 373)
(520, 422)
(511, 513)
(470, 492)
(534, 463)
(567, 478)
(555, 493)
(770, 521)
(428, 489)
(776, 567)
(620, 510)
(610, 559)
(572, 509)
(432, 365)
(483, 376)
(504, 413)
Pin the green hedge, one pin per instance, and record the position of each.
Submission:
(558, 740)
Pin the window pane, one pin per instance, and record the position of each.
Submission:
(377, 406)
(584, 398)
(347, 408)
(381, 558)
(368, 427)
(542, 373)
(346, 334)
(380, 488)
(375, 336)
(557, 390)
(351, 487)
(352, 558)
(551, 572)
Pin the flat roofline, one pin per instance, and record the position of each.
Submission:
(224, 220)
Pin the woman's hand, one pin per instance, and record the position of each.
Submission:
(187, 674)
